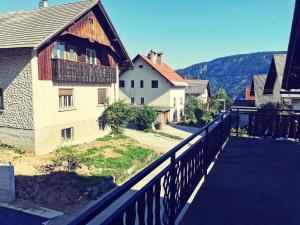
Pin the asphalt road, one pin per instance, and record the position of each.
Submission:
(14, 217)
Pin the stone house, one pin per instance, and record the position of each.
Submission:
(265, 88)
(154, 83)
(59, 69)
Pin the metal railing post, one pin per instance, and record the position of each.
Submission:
(206, 153)
(222, 130)
(173, 190)
(237, 122)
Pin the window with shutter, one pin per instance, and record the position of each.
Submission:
(66, 98)
(102, 96)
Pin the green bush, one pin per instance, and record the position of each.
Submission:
(116, 116)
(69, 158)
(145, 118)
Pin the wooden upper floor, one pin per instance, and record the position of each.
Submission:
(82, 52)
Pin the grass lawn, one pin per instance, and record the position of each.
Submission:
(117, 156)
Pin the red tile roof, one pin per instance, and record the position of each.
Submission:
(247, 94)
(165, 71)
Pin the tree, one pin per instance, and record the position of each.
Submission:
(189, 109)
(116, 116)
(145, 118)
(215, 102)
(195, 110)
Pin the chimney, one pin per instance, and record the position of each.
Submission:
(152, 56)
(159, 60)
(43, 3)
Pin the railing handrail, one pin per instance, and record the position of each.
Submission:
(234, 108)
(83, 63)
(102, 204)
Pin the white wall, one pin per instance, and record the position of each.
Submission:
(49, 120)
(163, 96)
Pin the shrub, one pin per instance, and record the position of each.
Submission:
(116, 116)
(69, 158)
(145, 118)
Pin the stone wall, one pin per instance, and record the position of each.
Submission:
(16, 120)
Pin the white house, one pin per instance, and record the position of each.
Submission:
(154, 83)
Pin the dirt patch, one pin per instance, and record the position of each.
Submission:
(39, 184)
(62, 191)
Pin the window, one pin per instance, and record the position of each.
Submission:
(59, 50)
(175, 102)
(181, 100)
(132, 101)
(142, 101)
(132, 84)
(154, 84)
(91, 25)
(72, 53)
(67, 134)
(91, 57)
(141, 84)
(102, 98)
(65, 98)
(91, 22)
(1, 99)
(122, 84)
(141, 66)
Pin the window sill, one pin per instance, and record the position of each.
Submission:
(2, 110)
(66, 109)
(102, 105)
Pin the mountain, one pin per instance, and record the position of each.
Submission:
(233, 73)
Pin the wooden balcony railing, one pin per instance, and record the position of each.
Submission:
(70, 71)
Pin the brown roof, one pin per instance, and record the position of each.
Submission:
(165, 71)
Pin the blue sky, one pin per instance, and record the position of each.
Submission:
(192, 31)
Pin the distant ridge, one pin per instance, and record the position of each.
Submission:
(233, 73)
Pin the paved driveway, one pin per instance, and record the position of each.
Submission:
(160, 143)
(13, 217)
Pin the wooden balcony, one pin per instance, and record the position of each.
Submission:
(70, 71)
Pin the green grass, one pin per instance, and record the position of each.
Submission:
(168, 135)
(111, 137)
(128, 156)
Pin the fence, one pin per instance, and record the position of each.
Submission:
(162, 199)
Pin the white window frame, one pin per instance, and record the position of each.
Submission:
(56, 52)
(91, 56)
(66, 101)
(64, 135)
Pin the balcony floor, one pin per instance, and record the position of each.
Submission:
(254, 182)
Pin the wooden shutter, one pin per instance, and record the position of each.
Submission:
(65, 92)
(102, 96)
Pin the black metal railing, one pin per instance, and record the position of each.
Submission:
(263, 123)
(162, 199)
(71, 71)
